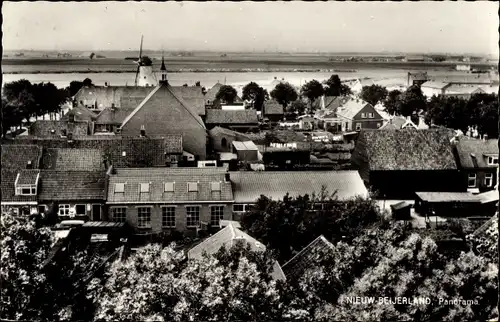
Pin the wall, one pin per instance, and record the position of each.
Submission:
(480, 176)
(368, 123)
(180, 215)
(359, 159)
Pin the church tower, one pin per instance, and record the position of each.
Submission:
(163, 70)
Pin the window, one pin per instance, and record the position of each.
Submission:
(80, 209)
(239, 208)
(216, 214)
(169, 187)
(358, 126)
(215, 186)
(168, 217)
(223, 142)
(119, 214)
(25, 191)
(41, 209)
(192, 186)
(144, 188)
(370, 115)
(144, 217)
(363, 115)
(64, 210)
(492, 160)
(193, 216)
(472, 180)
(119, 187)
(488, 179)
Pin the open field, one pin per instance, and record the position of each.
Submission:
(211, 63)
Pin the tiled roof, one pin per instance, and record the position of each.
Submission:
(193, 96)
(216, 116)
(113, 115)
(245, 146)
(18, 156)
(71, 185)
(218, 131)
(408, 150)
(418, 76)
(212, 92)
(248, 186)
(73, 159)
(352, 107)
(434, 84)
(394, 123)
(157, 177)
(463, 89)
(465, 79)
(81, 113)
(119, 151)
(308, 258)
(472, 152)
(8, 189)
(130, 102)
(42, 128)
(448, 197)
(272, 107)
(227, 237)
(28, 177)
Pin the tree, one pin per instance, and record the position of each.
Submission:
(24, 248)
(391, 102)
(197, 84)
(485, 117)
(48, 98)
(298, 107)
(74, 87)
(411, 102)
(312, 90)
(345, 90)
(333, 86)
(284, 93)
(92, 55)
(373, 94)
(258, 95)
(19, 97)
(226, 94)
(87, 82)
(450, 112)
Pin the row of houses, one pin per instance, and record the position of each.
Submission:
(451, 89)
(150, 199)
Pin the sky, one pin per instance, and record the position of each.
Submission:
(423, 27)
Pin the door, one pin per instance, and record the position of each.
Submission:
(96, 212)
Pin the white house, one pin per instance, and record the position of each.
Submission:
(463, 67)
(431, 88)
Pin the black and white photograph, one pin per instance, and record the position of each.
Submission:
(249, 161)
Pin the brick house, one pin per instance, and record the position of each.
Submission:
(153, 200)
(221, 139)
(358, 115)
(398, 163)
(163, 112)
(478, 161)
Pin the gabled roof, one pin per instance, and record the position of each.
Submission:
(419, 76)
(472, 152)
(463, 89)
(174, 96)
(351, 108)
(42, 128)
(81, 113)
(113, 115)
(395, 123)
(218, 131)
(227, 237)
(73, 159)
(435, 85)
(245, 146)
(106, 96)
(193, 96)
(248, 186)
(121, 151)
(17, 156)
(71, 185)
(157, 177)
(308, 258)
(7, 183)
(212, 92)
(272, 107)
(408, 150)
(216, 116)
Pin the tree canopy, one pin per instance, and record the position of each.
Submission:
(373, 94)
(334, 87)
(258, 95)
(284, 93)
(227, 93)
(312, 90)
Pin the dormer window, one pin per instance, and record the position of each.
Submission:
(119, 187)
(144, 188)
(192, 186)
(370, 115)
(169, 187)
(492, 160)
(215, 186)
(363, 115)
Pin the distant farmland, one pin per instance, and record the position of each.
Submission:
(210, 63)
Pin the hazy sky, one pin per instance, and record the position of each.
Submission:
(251, 26)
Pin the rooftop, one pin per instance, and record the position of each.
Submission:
(248, 186)
(245, 146)
(408, 150)
(473, 153)
(216, 116)
(272, 107)
(18, 156)
(43, 128)
(352, 107)
(73, 159)
(448, 197)
(71, 185)
(8, 189)
(434, 84)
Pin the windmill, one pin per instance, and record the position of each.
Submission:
(144, 75)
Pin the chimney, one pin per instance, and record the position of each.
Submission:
(29, 165)
(227, 177)
(143, 131)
